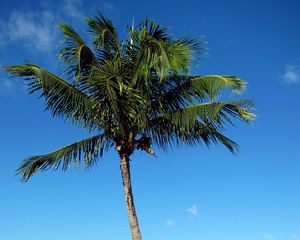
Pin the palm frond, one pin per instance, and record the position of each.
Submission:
(179, 55)
(147, 54)
(165, 134)
(62, 98)
(186, 89)
(87, 150)
(111, 88)
(103, 33)
(178, 91)
(151, 28)
(213, 84)
(152, 48)
(207, 86)
(75, 54)
(214, 113)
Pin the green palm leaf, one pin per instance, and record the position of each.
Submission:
(181, 90)
(213, 84)
(87, 150)
(62, 98)
(215, 113)
(104, 34)
(165, 134)
(75, 54)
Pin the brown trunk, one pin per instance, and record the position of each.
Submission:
(133, 220)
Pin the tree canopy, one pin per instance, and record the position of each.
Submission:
(133, 93)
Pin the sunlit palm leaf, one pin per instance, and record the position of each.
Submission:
(153, 48)
(215, 113)
(213, 84)
(178, 91)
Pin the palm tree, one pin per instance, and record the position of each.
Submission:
(134, 94)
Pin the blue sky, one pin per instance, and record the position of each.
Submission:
(189, 193)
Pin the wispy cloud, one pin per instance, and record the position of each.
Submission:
(37, 30)
(295, 236)
(193, 210)
(169, 223)
(2, 42)
(267, 236)
(291, 74)
(72, 8)
(109, 9)
(8, 87)
(7, 84)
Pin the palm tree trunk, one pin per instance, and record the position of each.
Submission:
(133, 220)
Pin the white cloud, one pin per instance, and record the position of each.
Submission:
(267, 236)
(37, 30)
(169, 223)
(193, 210)
(34, 30)
(292, 74)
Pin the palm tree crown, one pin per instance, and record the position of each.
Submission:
(135, 93)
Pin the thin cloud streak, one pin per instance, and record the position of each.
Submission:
(193, 210)
(292, 74)
(294, 236)
(110, 9)
(8, 87)
(37, 30)
(71, 7)
(169, 223)
(267, 236)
